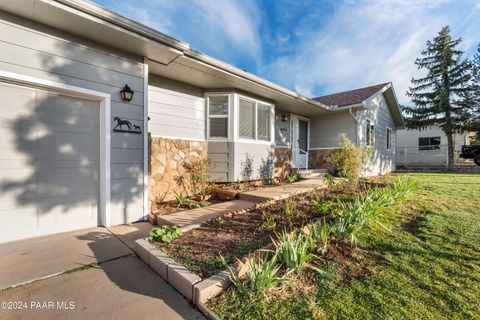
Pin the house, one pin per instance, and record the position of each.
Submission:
(368, 116)
(99, 114)
(427, 147)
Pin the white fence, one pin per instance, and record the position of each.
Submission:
(436, 156)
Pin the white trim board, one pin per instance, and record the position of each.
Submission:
(146, 157)
(181, 138)
(104, 100)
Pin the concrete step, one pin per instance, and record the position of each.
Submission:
(312, 173)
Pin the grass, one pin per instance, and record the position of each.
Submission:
(426, 267)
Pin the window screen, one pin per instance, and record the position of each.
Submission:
(263, 122)
(218, 116)
(369, 133)
(389, 138)
(246, 128)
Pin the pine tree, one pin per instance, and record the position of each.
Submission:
(439, 97)
(474, 124)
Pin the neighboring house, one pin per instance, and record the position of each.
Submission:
(427, 146)
(369, 117)
(79, 151)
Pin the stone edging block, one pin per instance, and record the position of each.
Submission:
(212, 287)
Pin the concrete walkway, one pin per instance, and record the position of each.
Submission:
(189, 219)
(104, 279)
(283, 191)
(192, 218)
(32, 259)
(125, 288)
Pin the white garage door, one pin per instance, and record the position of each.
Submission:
(49, 162)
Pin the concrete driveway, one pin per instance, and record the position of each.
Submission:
(105, 281)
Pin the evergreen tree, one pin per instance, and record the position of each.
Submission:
(474, 125)
(439, 98)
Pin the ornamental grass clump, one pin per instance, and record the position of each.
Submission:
(367, 210)
(261, 275)
(293, 251)
(318, 236)
(402, 186)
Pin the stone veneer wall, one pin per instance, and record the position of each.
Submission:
(319, 159)
(167, 173)
(282, 163)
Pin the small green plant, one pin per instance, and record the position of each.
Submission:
(329, 180)
(402, 186)
(318, 236)
(219, 222)
(261, 275)
(181, 199)
(290, 209)
(165, 234)
(292, 177)
(323, 206)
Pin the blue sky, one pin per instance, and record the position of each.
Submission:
(312, 47)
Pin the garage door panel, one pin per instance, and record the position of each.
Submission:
(49, 162)
(11, 217)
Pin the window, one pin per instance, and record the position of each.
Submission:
(263, 122)
(253, 120)
(389, 138)
(369, 133)
(218, 116)
(429, 143)
(246, 128)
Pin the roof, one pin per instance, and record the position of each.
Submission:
(350, 97)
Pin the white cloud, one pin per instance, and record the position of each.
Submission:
(367, 42)
(216, 25)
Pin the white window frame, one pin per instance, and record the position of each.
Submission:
(271, 107)
(227, 116)
(389, 139)
(429, 144)
(368, 129)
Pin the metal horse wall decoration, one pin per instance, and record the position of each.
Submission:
(125, 126)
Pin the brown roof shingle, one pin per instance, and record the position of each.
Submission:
(347, 98)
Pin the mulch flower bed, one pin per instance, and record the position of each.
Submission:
(235, 235)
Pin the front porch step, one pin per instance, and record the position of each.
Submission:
(312, 173)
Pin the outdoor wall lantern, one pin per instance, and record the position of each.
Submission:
(126, 93)
(284, 117)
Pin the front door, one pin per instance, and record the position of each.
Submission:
(300, 142)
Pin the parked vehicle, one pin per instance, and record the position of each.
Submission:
(471, 152)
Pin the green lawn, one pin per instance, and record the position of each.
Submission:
(427, 267)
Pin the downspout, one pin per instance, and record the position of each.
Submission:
(356, 121)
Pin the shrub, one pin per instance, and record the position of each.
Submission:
(348, 160)
(197, 171)
(165, 234)
(261, 274)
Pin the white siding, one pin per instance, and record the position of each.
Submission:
(35, 50)
(382, 160)
(253, 161)
(408, 152)
(176, 110)
(282, 129)
(326, 132)
(221, 159)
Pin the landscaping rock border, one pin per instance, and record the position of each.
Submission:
(187, 283)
